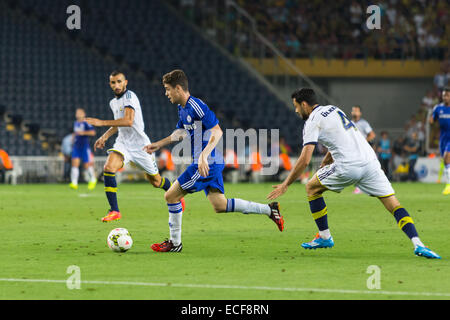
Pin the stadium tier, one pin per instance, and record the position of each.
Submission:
(48, 71)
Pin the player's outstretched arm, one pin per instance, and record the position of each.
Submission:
(300, 166)
(126, 121)
(176, 136)
(89, 133)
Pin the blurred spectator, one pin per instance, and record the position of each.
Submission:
(412, 149)
(231, 170)
(166, 166)
(398, 155)
(385, 153)
(66, 149)
(429, 100)
(284, 147)
(5, 164)
(441, 78)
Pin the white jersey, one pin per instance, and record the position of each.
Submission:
(330, 126)
(134, 137)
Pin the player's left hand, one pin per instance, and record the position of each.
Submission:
(280, 189)
(203, 167)
(94, 122)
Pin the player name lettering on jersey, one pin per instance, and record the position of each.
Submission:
(326, 113)
(190, 126)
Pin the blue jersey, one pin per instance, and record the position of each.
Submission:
(441, 114)
(81, 141)
(194, 111)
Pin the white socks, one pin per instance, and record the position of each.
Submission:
(247, 207)
(416, 242)
(175, 219)
(91, 173)
(74, 174)
(325, 234)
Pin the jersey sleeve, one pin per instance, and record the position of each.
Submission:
(130, 101)
(311, 133)
(435, 113)
(88, 127)
(204, 114)
(180, 125)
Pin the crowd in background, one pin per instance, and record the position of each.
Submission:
(409, 28)
(401, 154)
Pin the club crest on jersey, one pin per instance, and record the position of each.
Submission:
(189, 119)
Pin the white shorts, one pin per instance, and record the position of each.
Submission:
(369, 179)
(139, 157)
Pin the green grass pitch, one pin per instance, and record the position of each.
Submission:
(47, 228)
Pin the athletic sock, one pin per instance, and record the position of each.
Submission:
(91, 173)
(416, 242)
(319, 214)
(175, 219)
(111, 190)
(247, 207)
(447, 173)
(406, 224)
(165, 184)
(74, 174)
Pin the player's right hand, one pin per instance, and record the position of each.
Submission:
(151, 148)
(99, 144)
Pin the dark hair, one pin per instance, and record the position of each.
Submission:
(358, 106)
(116, 73)
(176, 77)
(305, 94)
(446, 89)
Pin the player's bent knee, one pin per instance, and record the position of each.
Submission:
(171, 198)
(109, 168)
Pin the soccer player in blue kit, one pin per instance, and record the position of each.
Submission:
(81, 151)
(441, 114)
(205, 172)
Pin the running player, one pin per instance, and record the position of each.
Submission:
(81, 151)
(365, 129)
(205, 172)
(128, 122)
(350, 160)
(441, 114)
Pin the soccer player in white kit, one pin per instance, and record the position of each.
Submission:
(350, 160)
(129, 124)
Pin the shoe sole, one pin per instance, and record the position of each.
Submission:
(111, 220)
(157, 250)
(314, 248)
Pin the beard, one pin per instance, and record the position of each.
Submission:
(118, 93)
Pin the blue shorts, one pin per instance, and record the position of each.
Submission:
(444, 146)
(191, 181)
(82, 153)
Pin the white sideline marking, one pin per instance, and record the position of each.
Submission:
(218, 286)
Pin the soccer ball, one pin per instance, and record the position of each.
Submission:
(119, 240)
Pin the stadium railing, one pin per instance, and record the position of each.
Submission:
(50, 169)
